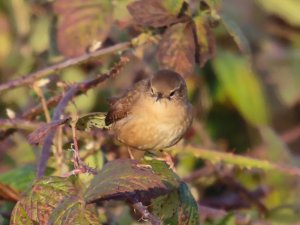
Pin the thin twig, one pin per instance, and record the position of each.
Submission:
(21, 124)
(72, 92)
(40, 94)
(83, 87)
(30, 78)
(138, 206)
(48, 140)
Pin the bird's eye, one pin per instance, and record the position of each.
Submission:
(152, 91)
(172, 93)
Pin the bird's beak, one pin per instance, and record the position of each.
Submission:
(158, 97)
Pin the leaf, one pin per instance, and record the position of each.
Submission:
(206, 40)
(178, 207)
(72, 211)
(177, 49)
(36, 206)
(122, 179)
(237, 34)
(155, 13)
(288, 9)
(91, 120)
(81, 24)
(13, 182)
(242, 86)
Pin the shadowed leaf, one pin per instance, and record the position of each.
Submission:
(242, 86)
(178, 207)
(122, 179)
(91, 120)
(177, 49)
(155, 13)
(237, 34)
(73, 211)
(39, 202)
(81, 24)
(206, 40)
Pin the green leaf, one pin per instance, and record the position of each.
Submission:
(91, 120)
(121, 179)
(82, 24)
(73, 211)
(288, 9)
(242, 86)
(19, 178)
(178, 207)
(177, 49)
(36, 206)
(155, 13)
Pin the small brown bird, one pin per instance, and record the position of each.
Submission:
(154, 114)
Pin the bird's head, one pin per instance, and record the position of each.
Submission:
(167, 84)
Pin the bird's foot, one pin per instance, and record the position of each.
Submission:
(167, 158)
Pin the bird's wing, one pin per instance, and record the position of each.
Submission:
(120, 107)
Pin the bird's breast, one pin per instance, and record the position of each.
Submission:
(154, 125)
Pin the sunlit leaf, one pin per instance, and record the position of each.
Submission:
(178, 207)
(36, 206)
(206, 40)
(155, 13)
(74, 211)
(121, 179)
(91, 120)
(288, 9)
(242, 86)
(81, 24)
(177, 49)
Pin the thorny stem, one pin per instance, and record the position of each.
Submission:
(30, 78)
(72, 92)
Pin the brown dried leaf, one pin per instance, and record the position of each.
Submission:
(38, 204)
(177, 49)
(206, 40)
(81, 24)
(122, 179)
(155, 13)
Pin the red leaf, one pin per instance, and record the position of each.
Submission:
(155, 13)
(177, 49)
(81, 24)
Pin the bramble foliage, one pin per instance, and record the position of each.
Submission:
(238, 162)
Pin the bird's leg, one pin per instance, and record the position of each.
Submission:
(167, 158)
(130, 153)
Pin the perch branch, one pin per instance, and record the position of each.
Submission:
(30, 78)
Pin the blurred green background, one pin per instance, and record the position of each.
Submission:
(245, 98)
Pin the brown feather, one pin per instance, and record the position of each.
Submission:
(120, 107)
